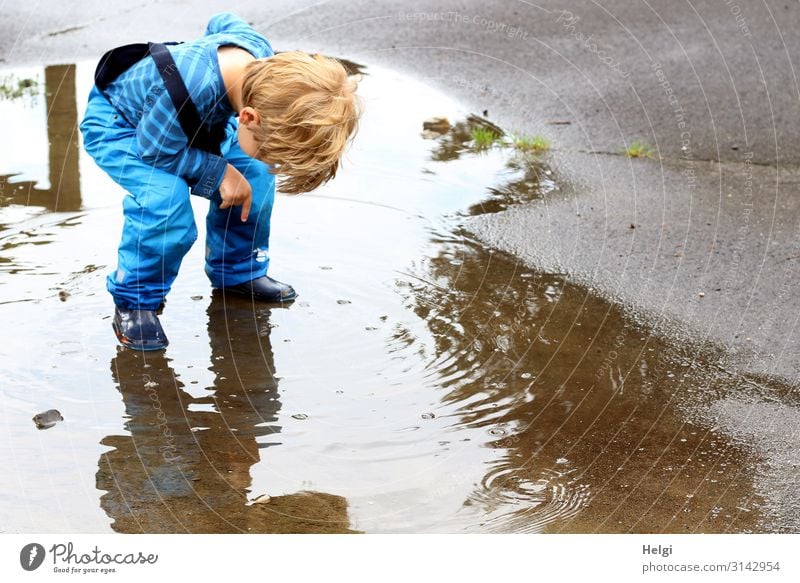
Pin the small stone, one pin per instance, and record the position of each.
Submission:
(47, 419)
(343, 302)
(263, 499)
(428, 415)
(63, 295)
(300, 416)
(197, 298)
(702, 294)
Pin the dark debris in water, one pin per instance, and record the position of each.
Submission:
(47, 419)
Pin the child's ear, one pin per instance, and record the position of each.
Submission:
(248, 115)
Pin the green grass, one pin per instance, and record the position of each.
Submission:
(484, 138)
(535, 143)
(639, 150)
(12, 87)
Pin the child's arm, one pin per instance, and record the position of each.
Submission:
(162, 143)
(166, 147)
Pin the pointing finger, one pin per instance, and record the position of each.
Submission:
(246, 207)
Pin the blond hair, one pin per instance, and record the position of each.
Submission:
(309, 113)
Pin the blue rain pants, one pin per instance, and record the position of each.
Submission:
(159, 226)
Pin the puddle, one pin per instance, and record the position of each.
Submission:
(420, 384)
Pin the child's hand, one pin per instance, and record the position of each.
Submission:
(235, 191)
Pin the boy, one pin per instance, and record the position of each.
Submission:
(296, 113)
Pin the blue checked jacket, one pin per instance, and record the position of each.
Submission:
(140, 96)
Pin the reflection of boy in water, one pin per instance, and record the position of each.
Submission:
(187, 470)
(295, 112)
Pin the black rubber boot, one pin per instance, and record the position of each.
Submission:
(139, 329)
(263, 289)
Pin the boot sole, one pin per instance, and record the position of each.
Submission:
(247, 294)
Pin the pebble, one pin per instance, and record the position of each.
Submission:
(47, 419)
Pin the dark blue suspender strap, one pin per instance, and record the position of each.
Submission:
(188, 117)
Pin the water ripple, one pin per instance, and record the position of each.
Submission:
(518, 504)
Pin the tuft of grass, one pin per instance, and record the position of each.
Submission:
(484, 138)
(639, 150)
(12, 87)
(535, 143)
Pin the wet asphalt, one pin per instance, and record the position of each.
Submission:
(700, 239)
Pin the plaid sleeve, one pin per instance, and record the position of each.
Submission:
(162, 143)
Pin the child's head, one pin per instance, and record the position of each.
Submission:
(306, 113)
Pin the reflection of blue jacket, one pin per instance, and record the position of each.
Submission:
(139, 94)
(133, 134)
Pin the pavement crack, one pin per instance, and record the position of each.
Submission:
(674, 159)
(66, 30)
(96, 20)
